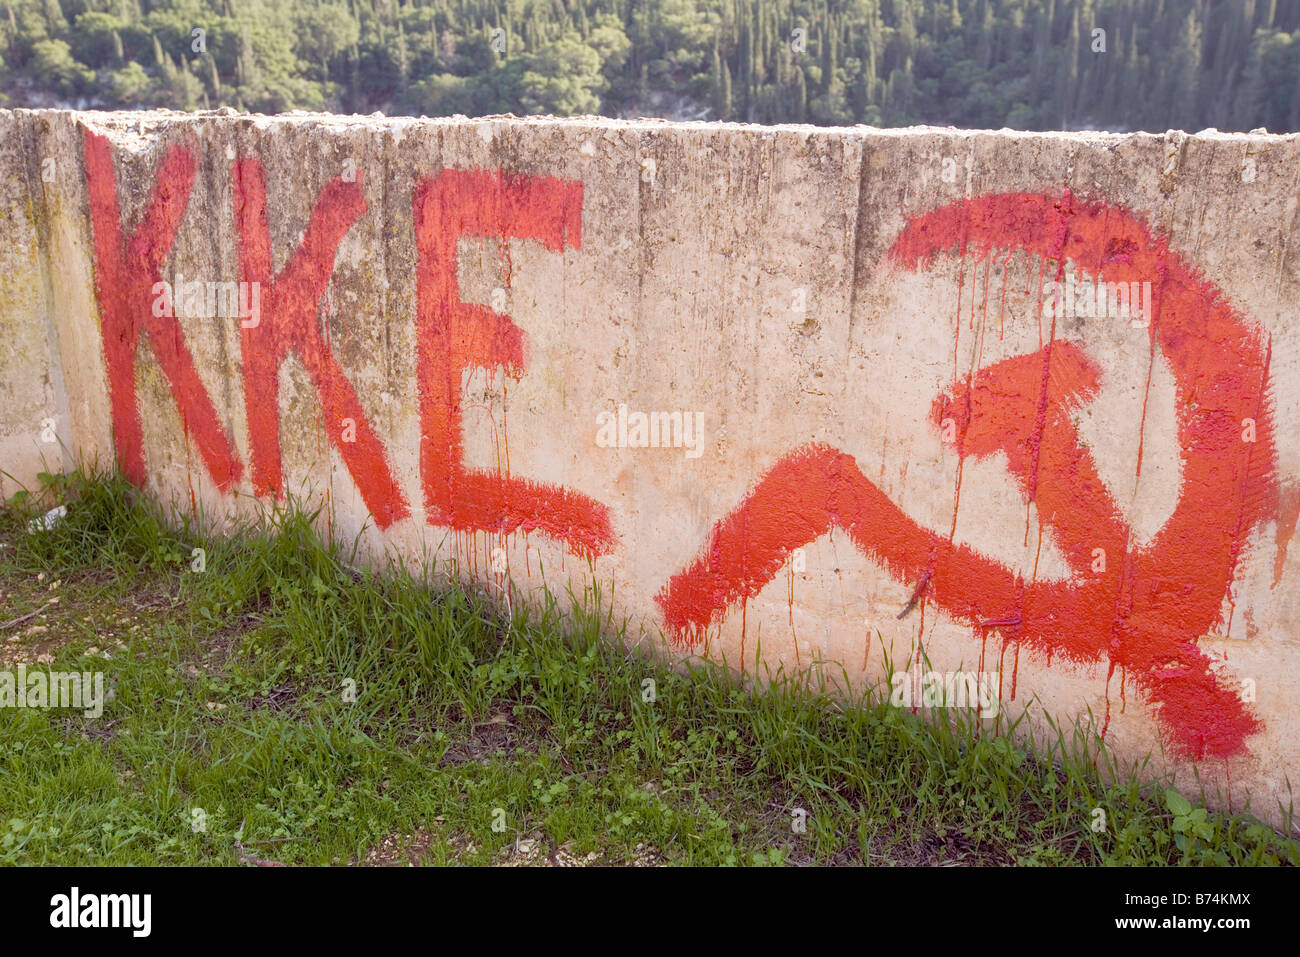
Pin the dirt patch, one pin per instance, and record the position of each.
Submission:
(398, 850)
(499, 733)
(278, 699)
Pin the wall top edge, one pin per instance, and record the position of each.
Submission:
(143, 121)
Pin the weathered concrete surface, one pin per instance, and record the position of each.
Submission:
(1101, 516)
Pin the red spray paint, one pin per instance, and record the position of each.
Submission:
(1147, 610)
(290, 304)
(454, 336)
(1144, 614)
(126, 271)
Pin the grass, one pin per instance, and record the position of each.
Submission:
(280, 706)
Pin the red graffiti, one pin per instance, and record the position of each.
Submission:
(1147, 610)
(288, 324)
(454, 336)
(1144, 611)
(127, 268)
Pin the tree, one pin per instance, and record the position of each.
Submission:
(325, 32)
(57, 69)
(562, 78)
(1024, 63)
(95, 41)
(130, 86)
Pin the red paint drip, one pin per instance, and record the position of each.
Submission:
(1146, 612)
(1288, 514)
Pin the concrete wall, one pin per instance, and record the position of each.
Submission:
(901, 416)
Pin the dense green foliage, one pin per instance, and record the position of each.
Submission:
(1030, 64)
